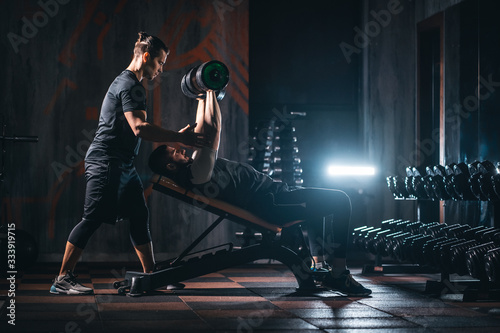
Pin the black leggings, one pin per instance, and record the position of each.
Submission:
(319, 234)
(114, 191)
(313, 205)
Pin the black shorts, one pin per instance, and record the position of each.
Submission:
(114, 192)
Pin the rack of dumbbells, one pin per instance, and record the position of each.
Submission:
(285, 161)
(274, 151)
(261, 147)
(438, 247)
(474, 181)
(443, 248)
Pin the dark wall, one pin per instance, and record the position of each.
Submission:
(473, 99)
(391, 119)
(297, 65)
(388, 100)
(57, 71)
(295, 54)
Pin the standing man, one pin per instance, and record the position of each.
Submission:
(114, 189)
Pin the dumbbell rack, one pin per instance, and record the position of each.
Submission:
(477, 181)
(379, 268)
(275, 152)
(435, 247)
(475, 290)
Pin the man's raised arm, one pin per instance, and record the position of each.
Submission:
(208, 118)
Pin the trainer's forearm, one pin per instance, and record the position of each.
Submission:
(151, 132)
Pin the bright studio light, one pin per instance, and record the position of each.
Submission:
(350, 170)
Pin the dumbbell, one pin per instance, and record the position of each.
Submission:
(416, 171)
(446, 186)
(471, 233)
(398, 242)
(486, 180)
(474, 257)
(358, 236)
(432, 229)
(435, 248)
(481, 180)
(211, 75)
(427, 251)
(443, 254)
(428, 188)
(449, 184)
(378, 244)
(367, 239)
(402, 250)
(409, 187)
(400, 187)
(372, 240)
(492, 264)
(457, 230)
(457, 256)
(437, 173)
(460, 182)
(495, 180)
(415, 252)
(406, 226)
(413, 227)
(389, 224)
(394, 243)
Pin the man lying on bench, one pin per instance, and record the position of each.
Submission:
(241, 185)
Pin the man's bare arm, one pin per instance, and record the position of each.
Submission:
(200, 116)
(212, 120)
(209, 116)
(151, 132)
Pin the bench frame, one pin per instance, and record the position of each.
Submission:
(285, 244)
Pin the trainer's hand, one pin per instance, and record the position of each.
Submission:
(190, 139)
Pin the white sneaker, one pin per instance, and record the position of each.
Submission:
(67, 284)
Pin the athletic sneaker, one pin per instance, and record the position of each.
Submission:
(321, 267)
(346, 284)
(67, 284)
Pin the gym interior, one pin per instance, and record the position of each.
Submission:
(394, 102)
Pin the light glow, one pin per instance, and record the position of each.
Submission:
(350, 170)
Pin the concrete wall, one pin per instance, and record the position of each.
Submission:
(60, 57)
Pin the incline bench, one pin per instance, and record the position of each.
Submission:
(285, 244)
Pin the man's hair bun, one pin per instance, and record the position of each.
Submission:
(151, 44)
(143, 36)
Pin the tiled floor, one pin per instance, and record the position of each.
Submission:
(243, 299)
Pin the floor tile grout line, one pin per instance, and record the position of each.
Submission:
(194, 311)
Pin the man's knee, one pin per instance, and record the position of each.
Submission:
(342, 199)
(82, 232)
